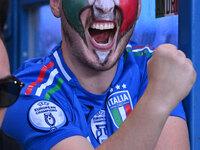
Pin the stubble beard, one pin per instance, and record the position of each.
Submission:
(76, 46)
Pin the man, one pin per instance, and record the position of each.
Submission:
(84, 94)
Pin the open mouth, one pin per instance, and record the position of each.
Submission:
(102, 34)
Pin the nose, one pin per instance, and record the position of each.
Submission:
(102, 7)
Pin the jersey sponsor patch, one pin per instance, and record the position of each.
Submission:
(119, 105)
(99, 127)
(46, 116)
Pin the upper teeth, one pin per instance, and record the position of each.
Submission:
(103, 26)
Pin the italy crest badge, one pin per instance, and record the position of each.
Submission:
(119, 105)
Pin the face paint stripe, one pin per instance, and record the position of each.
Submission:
(129, 9)
(91, 2)
(117, 2)
(72, 9)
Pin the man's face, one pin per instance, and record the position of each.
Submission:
(104, 27)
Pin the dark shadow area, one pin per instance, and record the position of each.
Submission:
(8, 143)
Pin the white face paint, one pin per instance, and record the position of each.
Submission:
(105, 5)
(116, 2)
(91, 2)
(102, 55)
(103, 9)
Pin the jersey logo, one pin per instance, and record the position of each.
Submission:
(47, 116)
(50, 120)
(119, 105)
(99, 127)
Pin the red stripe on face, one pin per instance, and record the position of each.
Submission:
(129, 9)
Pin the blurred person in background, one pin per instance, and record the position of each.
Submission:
(10, 86)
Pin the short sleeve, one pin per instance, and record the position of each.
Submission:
(142, 55)
(39, 124)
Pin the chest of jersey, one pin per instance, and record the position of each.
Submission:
(105, 113)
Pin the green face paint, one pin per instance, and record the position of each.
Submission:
(72, 9)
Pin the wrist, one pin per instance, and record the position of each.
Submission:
(158, 102)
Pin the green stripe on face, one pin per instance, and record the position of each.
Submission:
(72, 9)
(117, 116)
(54, 89)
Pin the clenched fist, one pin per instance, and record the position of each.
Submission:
(171, 76)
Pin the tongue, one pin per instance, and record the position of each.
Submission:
(101, 36)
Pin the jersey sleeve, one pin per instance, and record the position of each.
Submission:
(178, 111)
(40, 124)
(47, 110)
(142, 55)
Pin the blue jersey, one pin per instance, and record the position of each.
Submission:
(53, 105)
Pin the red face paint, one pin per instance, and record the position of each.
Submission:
(129, 10)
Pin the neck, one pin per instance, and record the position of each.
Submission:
(94, 81)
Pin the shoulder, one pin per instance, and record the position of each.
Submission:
(42, 109)
(138, 55)
(32, 117)
(35, 74)
(46, 105)
(40, 74)
(140, 52)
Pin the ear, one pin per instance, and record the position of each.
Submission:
(139, 9)
(55, 7)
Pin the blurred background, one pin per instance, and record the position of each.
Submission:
(32, 31)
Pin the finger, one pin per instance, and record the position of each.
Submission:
(189, 61)
(191, 69)
(181, 53)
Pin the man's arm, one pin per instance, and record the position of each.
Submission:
(171, 77)
(139, 131)
(174, 135)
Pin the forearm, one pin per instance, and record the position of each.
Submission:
(141, 129)
(171, 77)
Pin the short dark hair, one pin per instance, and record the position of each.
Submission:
(3, 13)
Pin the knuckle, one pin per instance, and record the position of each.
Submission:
(194, 75)
(181, 53)
(180, 57)
(191, 71)
(166, 50)
(167, 47)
